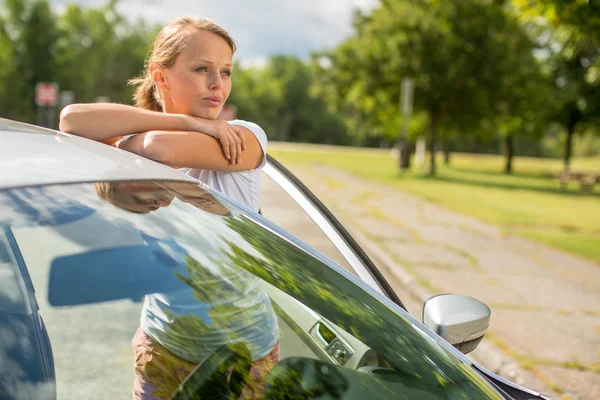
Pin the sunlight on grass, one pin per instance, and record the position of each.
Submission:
(528, 202)
(583, 245)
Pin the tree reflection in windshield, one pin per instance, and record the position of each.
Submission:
(416, 357)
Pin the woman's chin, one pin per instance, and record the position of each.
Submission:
(210, 113)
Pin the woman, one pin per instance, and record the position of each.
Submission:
(186, 82)
(185, 85)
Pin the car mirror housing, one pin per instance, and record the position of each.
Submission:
(460, 320)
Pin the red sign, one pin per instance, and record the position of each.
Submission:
(46, 94)
(228, 113)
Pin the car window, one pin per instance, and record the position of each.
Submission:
(291, 205)
(278, 206)
(136, 286)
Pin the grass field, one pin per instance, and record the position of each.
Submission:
(529, 202)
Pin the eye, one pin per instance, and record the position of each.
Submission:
(226, 73)
(201, 69)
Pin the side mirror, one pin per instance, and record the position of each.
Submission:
(462, 321)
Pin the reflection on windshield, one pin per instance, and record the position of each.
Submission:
(219, 304)
(209, 275)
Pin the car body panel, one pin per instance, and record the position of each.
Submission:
(42, 159)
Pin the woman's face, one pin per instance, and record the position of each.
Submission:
(140, 197)
(200, 80)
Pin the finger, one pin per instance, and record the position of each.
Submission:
(238, 144)
(234, 152)
(240, 135)
(237, 152)
(225, 145)
(230, 147)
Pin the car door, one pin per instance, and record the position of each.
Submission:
(287, 202)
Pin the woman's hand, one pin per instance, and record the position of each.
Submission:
(231, 137)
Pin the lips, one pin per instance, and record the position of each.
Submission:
(213, 101)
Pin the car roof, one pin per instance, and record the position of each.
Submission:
(30, 155)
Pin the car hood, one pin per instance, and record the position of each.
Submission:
(42, 159)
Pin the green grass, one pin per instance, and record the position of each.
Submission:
(529, 202)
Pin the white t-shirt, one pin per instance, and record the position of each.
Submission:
(241, 186)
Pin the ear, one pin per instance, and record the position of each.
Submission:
(158, 76)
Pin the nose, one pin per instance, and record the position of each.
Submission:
(215, 80)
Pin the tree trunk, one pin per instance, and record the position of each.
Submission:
(569, 144)
(447, 150)
(404, 154)
(403, 146)
(432, 141)
(509, 151)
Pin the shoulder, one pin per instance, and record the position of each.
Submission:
(255, 129)
(260, 135)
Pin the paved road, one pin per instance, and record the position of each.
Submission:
(545, 303)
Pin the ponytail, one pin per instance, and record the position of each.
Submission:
(146, 96)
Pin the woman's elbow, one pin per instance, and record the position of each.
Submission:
(67, 115)
(72, 119)
(155, 147)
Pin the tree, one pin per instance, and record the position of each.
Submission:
(99, 51)
(279, 98)
(570, 33)
(370, 113)
(90, 51)
(582, 16)
(30, 26)
(523, 93)
(576, 100)
(456, 51)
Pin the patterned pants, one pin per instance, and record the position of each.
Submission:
(158, 372)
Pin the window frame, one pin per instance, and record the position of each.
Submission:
(332, 228)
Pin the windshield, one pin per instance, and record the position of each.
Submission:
(114, 288)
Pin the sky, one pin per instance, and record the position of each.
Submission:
(259, 27)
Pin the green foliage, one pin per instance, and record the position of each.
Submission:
(27, 41)
(90, 51)
(278, 97)
(569, 32)
(466, 58)
(321, 288)
(581, 15)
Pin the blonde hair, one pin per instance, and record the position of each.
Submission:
(170, 41)
(105, 190)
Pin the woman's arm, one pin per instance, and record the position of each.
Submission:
(101, 121)
(193, 149)
(105, 121)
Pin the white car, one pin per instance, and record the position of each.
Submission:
(88, 230)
